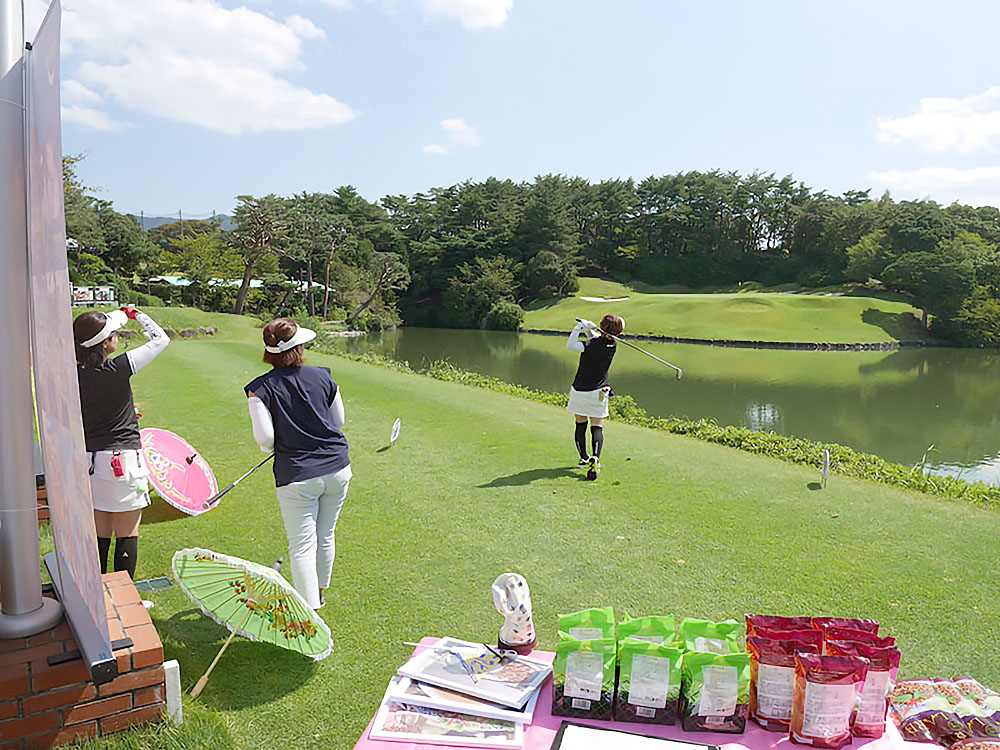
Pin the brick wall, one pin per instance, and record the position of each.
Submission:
(42, 496)
(44, 706)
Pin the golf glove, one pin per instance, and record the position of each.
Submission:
(590, 328)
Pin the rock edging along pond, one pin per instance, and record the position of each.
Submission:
(883, 346)
(843, 460)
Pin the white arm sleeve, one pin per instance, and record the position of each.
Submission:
(262, 424)
(158, 340)
(573, 342)
(337, 411)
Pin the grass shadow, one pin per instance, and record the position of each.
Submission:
(248, 674)
(814, 486)
(527, 477)
(901, 326)
(161, 511)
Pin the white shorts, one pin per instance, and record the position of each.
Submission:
(589, 403)
(119, 494)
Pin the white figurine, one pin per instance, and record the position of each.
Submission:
(513, 600)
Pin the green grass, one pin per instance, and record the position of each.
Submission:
(742, 316)
(481, 483)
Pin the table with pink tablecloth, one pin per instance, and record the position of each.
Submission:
(538, 735)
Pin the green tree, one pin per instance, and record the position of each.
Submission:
(479, 285)
(261, 230)
(939, 284)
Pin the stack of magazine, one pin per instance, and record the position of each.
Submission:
(461, 693)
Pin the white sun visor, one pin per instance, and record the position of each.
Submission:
(302, 335)
(116, 319)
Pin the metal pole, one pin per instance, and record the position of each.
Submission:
(24, 611)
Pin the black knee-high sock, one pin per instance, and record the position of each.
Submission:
(597, 438)
(126, 554)
(103, 545)
(581, 439)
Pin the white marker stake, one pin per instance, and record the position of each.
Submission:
(395, 430)
(826, 466)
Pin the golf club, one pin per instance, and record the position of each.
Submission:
(216, 498)
(639, 349)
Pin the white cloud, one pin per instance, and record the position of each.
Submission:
(89, 117)
(74, 92)
(474, 14)
(458, 133)
(461, 132)
(979, 186)
(338, 4)
(304, 28)
(195, 61)
(965, 126)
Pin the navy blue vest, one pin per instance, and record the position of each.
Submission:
(306, 443)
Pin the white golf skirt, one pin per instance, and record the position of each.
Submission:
(589, 403)
(119, 494)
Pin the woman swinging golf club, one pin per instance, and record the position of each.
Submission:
(119, 478)
(588, 397)
(297, 412)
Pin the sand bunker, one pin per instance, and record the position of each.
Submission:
(604, 299)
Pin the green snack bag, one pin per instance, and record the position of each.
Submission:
(715, 696)
(649, 682)
(658, 629)
(593, 624)
(710, 637)
(583, 678)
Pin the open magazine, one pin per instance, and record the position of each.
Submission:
(473, 669)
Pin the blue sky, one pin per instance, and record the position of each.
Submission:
(185, 104)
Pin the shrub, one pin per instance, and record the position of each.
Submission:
(505, 316)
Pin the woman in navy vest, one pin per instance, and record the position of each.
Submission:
(297, 412)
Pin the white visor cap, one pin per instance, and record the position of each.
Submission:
(115, 319)
(302, 336)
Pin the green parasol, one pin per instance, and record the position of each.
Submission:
(252, 600)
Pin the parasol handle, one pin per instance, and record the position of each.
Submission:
(200, 685)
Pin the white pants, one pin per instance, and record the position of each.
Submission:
(310, 510)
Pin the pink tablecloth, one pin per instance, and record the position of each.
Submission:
(539, 734)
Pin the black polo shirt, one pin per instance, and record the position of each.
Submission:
(595, 360)
(306, 442)
(109, 421)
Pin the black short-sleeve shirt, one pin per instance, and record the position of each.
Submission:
(306, 442)
(109, 421)
(595, 361)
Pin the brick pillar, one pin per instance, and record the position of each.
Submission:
(45, 706)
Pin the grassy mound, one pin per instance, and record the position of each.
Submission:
(742, 316)
(481, 483)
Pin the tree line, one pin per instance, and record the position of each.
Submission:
(476, 254)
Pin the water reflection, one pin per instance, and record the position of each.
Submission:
(894, 404)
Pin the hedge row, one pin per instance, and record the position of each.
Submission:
(843, 460)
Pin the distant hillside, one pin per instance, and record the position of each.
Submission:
(148, 222)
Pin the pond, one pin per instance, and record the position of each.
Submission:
(908, 406)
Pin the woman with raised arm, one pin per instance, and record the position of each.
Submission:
(297, 412)
(119, 478)
(588, 397)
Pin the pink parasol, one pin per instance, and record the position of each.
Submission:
(178, 473)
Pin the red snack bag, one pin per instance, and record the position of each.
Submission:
(883, 666)
(868, 626)
(826, 691)
(772, 676)
(777, 622)
(833, 633)
(781, 635)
